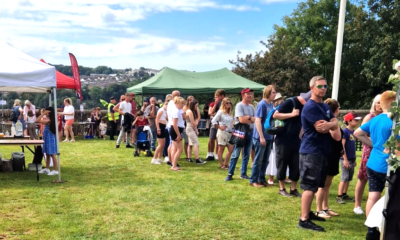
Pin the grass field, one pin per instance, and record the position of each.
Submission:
(111, 195)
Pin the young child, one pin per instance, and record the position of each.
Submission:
(49, 138)
(348, 160)
(140, 121)
(103, 128)
(31, 125)
(379, 128)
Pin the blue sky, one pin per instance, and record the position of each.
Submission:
(196, 35)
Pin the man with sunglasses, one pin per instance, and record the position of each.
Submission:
(319, 124)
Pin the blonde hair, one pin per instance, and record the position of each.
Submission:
(268, 90)
(179, 100)
(188, 102)
(68, 100)
(17, 102)
(376, 100)
(223, 106)
(27, 102)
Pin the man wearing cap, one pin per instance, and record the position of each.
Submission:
(287, 142)
(245, 114)
(319, 125)
(113, 117)
(151, 113)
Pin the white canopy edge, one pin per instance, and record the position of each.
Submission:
(24, 89)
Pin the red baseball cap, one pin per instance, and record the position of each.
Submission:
(351, 116)
(246, 90)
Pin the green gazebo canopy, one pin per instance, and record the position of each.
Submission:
(194, 82)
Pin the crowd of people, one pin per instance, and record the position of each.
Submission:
(310, 148)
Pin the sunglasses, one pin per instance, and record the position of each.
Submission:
(322, 86)
(228, 103)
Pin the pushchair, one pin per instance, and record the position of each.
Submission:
(143, 140)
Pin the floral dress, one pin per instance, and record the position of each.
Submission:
(362, 172)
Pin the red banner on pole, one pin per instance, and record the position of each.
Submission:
(75, 72)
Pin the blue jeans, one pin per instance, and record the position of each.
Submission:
(154, 140)
(245, 157)
(261, 160)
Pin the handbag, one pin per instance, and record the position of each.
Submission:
(239, 134)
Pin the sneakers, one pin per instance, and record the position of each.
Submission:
(166, 159)
(244, 177)
(295, 193)
(228, 178)
(116, 146)
(52, 173)
(66, 140)
(358, 211)
(312, 216)
(308, 225)
(270, 182)
(284, 193)
(199, 161)
(129, 146)
(72, 140)
(348, 198)
(155, 161)
(44, 170)
(323, 214)
(340, 200)
(170, 164)
(210, 158)
(189, 160)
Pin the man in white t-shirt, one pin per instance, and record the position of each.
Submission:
(170, 108)
(124, 107)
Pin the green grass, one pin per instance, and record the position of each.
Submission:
(109, 194)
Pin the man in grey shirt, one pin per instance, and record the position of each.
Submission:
(244, 113)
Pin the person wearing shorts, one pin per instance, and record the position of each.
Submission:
(366, 152)
(379, 129)
(177, 127)
(223, 121)
(69, 112)
(219, 95)
(319, 125)
(191, 131)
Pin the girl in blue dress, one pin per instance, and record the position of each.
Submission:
(49, 138)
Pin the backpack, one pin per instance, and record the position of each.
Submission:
(275, 126)
(18, 161)
(14, 116)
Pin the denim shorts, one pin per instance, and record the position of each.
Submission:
(312, 171)
(376, 180)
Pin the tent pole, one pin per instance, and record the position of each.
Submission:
(57, 137)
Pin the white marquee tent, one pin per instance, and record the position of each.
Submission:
(20, 72)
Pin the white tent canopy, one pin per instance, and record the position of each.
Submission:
(20, 72)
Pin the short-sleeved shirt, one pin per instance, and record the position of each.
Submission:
(140, 123)
(380, 129)
(291, 134)
(177, 113)
(69, 109)
(216, 109)
(152, 121)
(163, 114)
(125, 107)
(241, 110)
(170, 107)
(350, 145)
(262, 110)
(314, 142)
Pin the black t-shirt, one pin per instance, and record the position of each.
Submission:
(290, 135)
(336, 148)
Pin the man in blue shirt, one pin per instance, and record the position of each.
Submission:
(379, 129)
(319, 124)
(262, 141)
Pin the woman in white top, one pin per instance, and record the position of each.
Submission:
(69, 113)
(29, 106)
(161, 122)
(223, 121)
(176, 130)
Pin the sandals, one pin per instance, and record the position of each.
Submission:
(224, 167)
(322, 214)
(176, 169)
(330, 212)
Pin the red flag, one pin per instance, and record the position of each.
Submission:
(75, 72)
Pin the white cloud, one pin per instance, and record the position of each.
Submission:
(100, 32)
(278, 1)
